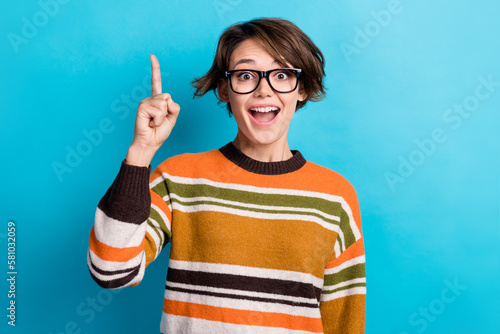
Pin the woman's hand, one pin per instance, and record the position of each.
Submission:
(156, 117)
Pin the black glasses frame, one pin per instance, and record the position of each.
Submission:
(265, 74)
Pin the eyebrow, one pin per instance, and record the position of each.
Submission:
(249, 61)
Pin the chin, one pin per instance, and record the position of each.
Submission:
(264, 139)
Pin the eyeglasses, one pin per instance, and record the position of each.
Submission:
(282, 80)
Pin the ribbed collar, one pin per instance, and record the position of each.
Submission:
(260, 167)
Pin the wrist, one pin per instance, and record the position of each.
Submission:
(138, 155)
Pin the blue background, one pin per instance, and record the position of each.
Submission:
(391, 83)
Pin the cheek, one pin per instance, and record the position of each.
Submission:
(237, 102)
(291, 103)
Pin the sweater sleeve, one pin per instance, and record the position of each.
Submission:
(132, 225)
(342, 302)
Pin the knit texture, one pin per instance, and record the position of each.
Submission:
(256, 247)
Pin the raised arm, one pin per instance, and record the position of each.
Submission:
(132, 222)
(156, 117)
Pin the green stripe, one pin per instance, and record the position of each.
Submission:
(347, 287)
(161, 190)
(347, 274)
(189, 191)
(163, 226)
(345, 226)
(339, 241)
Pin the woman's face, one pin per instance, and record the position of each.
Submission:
(263, 116)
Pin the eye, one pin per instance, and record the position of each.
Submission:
(282, 75)
(245, 76)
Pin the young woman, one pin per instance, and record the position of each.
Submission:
(262, 240)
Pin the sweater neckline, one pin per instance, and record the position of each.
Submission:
(260, 167)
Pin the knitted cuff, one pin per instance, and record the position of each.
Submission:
(128, 199)
(132, 181)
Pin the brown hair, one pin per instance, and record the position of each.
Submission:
(283, 40)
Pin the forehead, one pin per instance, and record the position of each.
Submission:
(251, 52)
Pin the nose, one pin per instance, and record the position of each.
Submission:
(264, 89)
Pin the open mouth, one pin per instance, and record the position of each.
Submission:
(264, 114)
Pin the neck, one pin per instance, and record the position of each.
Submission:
(277, 151)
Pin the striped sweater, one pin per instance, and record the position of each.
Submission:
(256, 247)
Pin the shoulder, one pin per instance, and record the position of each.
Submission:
(331, 182)
(327, 180)
(186, 158)
(190, 164)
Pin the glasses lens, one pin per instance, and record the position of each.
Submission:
(283, 80)
(244, 81)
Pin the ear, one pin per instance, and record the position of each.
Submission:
(222, 90)
(302, 93)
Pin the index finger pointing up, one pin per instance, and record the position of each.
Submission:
(155, 76)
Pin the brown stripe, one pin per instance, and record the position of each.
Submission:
(244, 283)
(231, 296)
(116, 283)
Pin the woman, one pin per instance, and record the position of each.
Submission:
(262, 240)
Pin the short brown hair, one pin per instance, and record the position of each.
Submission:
(283, 40)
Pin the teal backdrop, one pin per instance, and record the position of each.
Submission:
(411, 118)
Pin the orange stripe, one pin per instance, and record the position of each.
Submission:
(156, 173)
(355, 250)
(242, 317)
(108, 253)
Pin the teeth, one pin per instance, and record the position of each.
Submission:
(265, 109)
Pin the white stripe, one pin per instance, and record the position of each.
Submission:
(342, 284)
(116, 233)
(239, 292)
(157, 227)
(179, 324)
(342, 239)
(352, 262)
(152, 232)
(352, 223)
(114, 265)
(262, 190)
(272, 208)
(336, 249)
(361, 290)
(243, 304)
(247, 271)
(108, 278)
(157, 181)
(258, 215)
(163, 216)
(165, 199)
